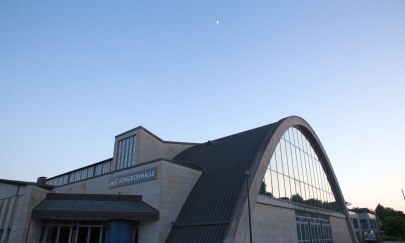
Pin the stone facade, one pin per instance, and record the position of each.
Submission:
(166, 194)
(149, 147)
(16, 205)
(275, 221)
(340, 231)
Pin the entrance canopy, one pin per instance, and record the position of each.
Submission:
(94, 207)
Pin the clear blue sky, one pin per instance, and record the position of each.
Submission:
(73, 74)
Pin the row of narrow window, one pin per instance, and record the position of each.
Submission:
(85, 173)
(125, 158)
(313, 230)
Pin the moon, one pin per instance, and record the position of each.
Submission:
(217, 21)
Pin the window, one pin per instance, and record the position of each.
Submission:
(355, 223)
(295, 174)
(103, 168)
(81, 174)
(373, 224)
(363, 224)
(74, 231)
(126, 153)
(313, 229)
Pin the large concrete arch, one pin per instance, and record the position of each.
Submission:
(260, 163)
(233, 168)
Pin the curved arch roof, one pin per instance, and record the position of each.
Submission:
(210, 208)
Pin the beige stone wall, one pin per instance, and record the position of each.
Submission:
(18, 213)
(274, 224)
(175, 186)
(150, 148)
(167, 194)
(8, 190)
(340, 230)
(7, 212)
(274, 221)
(150, 190)
(269, 224)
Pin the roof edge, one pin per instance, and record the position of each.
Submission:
(154, 135)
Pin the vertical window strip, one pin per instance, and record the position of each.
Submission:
(316, 184)
(318, 179)
(126, 152)
(310, 181)
(307, 171)
(275, 172)
(133, 151)
(286, 171)
(321, 192)
(119, 155)
(290, 166)
(307, 168)
(303, 170)
(292, 160)
(282, 170)
(296, 161)
(130, 146)
(268, 174)
(324, 181)
(315, 162)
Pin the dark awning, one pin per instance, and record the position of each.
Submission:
(94, 206)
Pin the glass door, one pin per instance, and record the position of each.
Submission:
(74, 232)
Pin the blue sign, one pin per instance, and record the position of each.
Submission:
(133, 178)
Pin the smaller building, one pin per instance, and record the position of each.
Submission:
(364, 222)
(17, 199)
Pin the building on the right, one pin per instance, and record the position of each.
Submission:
(365, 223)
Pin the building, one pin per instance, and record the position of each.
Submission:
(17, 199)
(364, 221)
(274, 183)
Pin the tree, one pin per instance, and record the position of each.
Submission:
(263, 190)
(383, 212)
(313, 202)
(297, 198)
(393, 226)
(392, 221)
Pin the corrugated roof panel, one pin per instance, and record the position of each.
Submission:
(212, 200)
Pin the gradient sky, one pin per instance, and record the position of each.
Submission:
(73, 74)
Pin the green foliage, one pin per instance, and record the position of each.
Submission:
(263, 190)
(383, 212)
(393, 226)
(297, 198)
(269, 194)
(314, 202)
(392, 222)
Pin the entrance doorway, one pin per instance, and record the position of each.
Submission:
(80, 231)
(74, 232)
